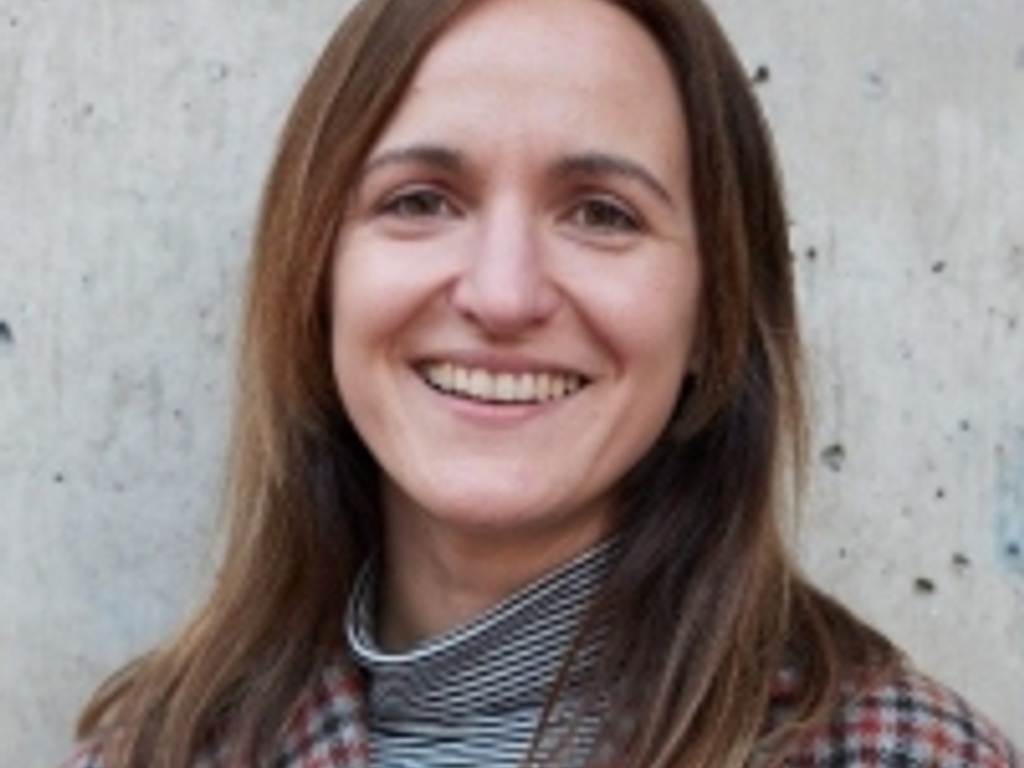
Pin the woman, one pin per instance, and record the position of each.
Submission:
(520, 388)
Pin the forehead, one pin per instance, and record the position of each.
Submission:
(583, 66)
(547, 35)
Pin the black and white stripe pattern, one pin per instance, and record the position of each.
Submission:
(473, 697)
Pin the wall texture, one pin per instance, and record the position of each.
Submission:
(133, 137)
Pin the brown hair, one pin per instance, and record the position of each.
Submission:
(724, 609)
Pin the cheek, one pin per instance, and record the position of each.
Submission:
(366, 301)
(359, 338)
(379, 285)
(658, 342)
(356, 321)
(344, 350)
(656, 321)
(378, 300)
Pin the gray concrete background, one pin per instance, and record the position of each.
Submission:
(133, 139)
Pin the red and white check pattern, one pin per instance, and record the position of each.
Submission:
(910, 722)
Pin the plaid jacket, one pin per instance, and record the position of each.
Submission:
(909, 722)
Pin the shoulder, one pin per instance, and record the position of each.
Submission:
(905, 721)
(326, 726)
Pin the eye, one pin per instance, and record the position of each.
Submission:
(417, 203)
(605, 215)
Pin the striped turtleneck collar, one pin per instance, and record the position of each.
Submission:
(474, 696)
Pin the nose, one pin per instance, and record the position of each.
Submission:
(505, 287)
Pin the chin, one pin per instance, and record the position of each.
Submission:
(486, 512)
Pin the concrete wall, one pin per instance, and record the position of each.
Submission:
(133, 137)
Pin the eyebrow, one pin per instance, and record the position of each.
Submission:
(600, 164)
(588, 164)
(431, 155)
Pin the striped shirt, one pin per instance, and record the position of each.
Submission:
(474, 697)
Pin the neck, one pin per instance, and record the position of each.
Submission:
(437, 576)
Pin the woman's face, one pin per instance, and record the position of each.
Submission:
(515, 293)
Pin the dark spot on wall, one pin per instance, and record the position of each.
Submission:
(812, 254)
(834, 457)
(961, 561)
(938, 267)
(1013, 550)
(58, 479)
(761, 75)
(1020, 58)
(965, 425)
(218, 71)
(843, 553)
(875, 85)
(940, 493)
(6, 335)
(924, 586)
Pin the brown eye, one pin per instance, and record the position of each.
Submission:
(605, 215)
(417, 204)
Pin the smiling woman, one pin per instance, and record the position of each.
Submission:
(514, 254)
(518, 414)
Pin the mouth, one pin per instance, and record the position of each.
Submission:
(482, 385)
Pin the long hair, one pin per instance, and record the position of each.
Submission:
(688, 670)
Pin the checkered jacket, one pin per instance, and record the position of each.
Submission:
(909, 722)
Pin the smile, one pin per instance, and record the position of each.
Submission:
(487, 386)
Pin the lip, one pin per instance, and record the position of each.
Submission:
(481, 413)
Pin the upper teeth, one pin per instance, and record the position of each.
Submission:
(481, 384)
